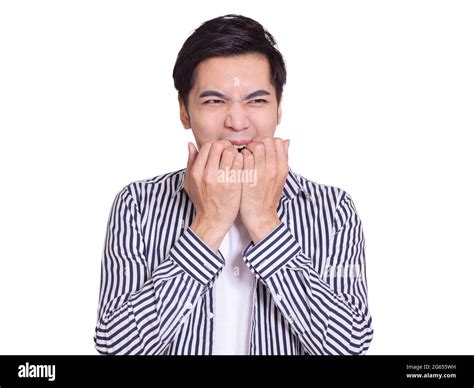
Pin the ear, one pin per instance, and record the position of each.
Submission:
(183, 114)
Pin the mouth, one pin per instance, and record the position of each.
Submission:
(239, 147)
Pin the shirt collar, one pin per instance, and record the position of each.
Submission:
(293, 185)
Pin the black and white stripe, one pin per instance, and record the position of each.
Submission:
(157, 277)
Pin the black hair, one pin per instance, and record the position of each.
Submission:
(227, 35)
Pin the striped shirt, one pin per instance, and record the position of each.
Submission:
(157, 276)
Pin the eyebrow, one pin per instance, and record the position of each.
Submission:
(215, 93)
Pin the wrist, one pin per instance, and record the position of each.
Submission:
(209, 232)
(261, 228)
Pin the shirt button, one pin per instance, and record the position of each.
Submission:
(290, 318)
(278, 297)
(211, 315)
(188, 305)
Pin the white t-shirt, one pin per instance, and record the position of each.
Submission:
(234, 289)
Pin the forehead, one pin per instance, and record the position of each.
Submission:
(251, 69)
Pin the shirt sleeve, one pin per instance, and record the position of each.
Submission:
(328, 311)
(140, 311)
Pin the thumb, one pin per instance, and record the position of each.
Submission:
(192, 154)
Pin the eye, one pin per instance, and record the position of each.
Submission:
(258, 101)
(213, 102)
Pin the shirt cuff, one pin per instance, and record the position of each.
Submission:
(272, 253)
(196, 258)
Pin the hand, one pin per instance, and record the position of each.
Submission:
(216, 202)
(259, 202)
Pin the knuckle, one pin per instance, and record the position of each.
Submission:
(272, 173)
(229, 151)
(246, 154)
(206, 145)
(207, 179)
(216, 148)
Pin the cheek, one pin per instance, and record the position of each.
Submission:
(207, 127)
(265, 123)
(210, 121)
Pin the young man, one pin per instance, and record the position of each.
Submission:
(236, 254)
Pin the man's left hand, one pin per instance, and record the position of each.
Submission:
(259, 200)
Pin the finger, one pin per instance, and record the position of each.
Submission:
(270, 153)
(238, 162)
(257, 139)
(281, 154)
(227, 157)
(192, 155)
(248, 160)
(258, 151)
(225, 143)
(201, 159)
(215, 154)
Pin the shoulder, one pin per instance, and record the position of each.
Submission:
(335, 202)
(147, 188)
(321, 193)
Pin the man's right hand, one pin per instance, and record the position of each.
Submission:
(216, 203)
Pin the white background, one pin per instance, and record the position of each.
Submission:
(379, 102)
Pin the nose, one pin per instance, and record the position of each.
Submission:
(236, 118)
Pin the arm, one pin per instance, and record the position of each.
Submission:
(328, 313)
(140, 312)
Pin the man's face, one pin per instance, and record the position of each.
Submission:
(233, 99)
